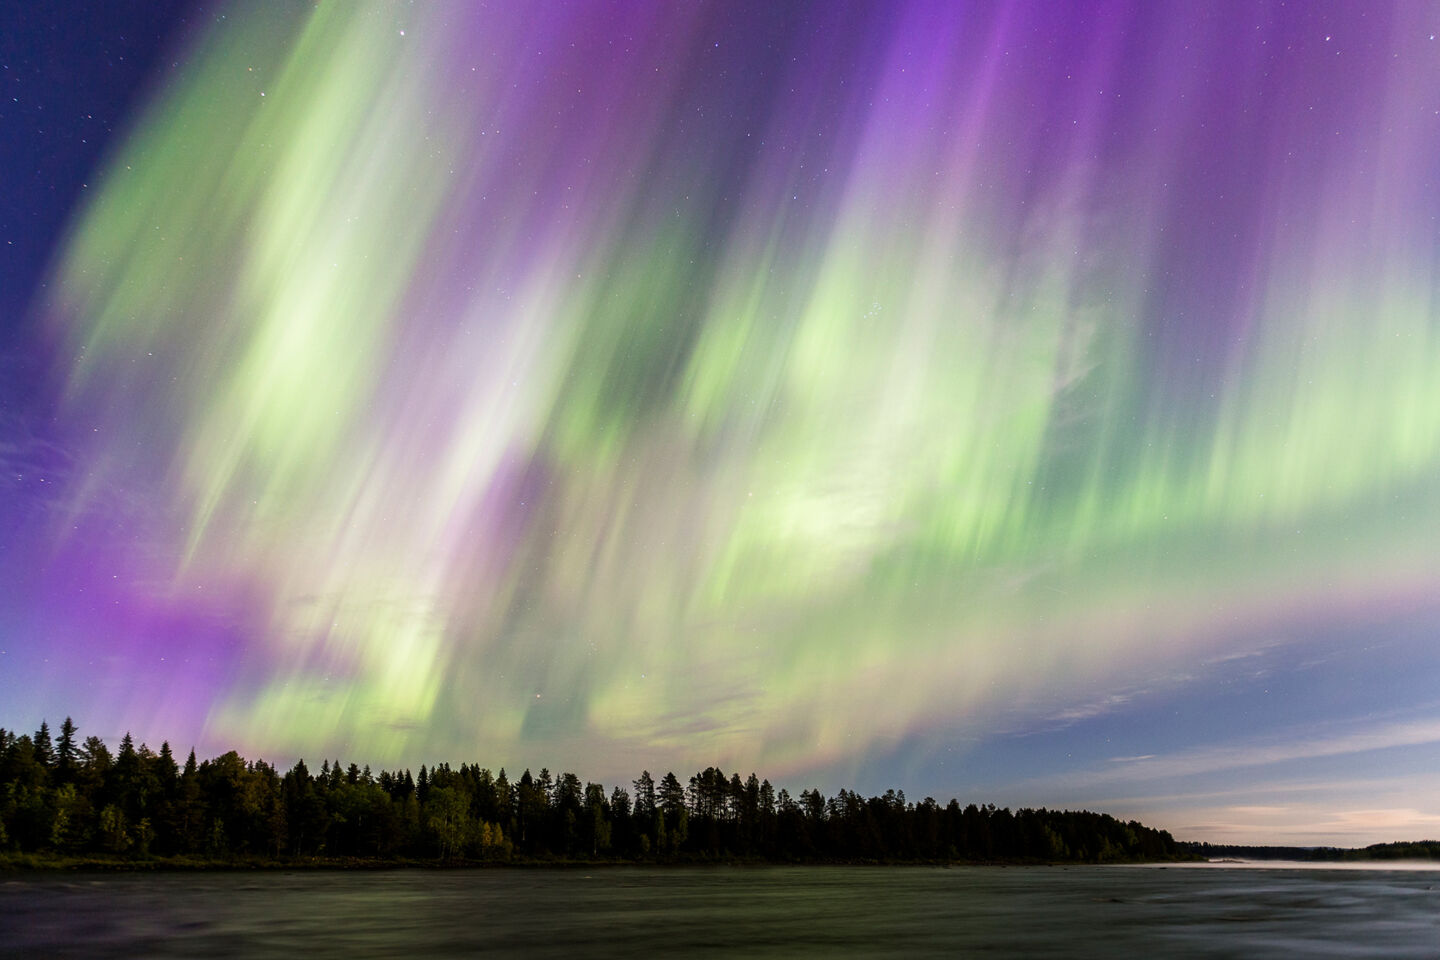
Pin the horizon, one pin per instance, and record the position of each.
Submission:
(1023, 402)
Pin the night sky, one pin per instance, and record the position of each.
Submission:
(1035, 403)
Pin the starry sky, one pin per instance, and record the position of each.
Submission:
(1032, 403)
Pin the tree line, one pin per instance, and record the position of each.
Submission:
(65, 797)
(1402, 850)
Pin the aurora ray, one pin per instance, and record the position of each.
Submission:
(717, 383)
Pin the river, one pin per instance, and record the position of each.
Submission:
(639, 912)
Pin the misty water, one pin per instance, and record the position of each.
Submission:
(728, 911)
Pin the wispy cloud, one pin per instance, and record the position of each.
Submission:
(1309, 825)
(1094, 708)
(1231, 757)
(1336, 793)
(1320, 811)
(1170, 771)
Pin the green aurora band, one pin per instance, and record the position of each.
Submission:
(533, 385)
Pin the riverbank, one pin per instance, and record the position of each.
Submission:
(37, 862)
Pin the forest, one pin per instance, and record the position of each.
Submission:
(1403, 850)
(61, 798)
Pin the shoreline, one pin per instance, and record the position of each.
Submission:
(34, 863)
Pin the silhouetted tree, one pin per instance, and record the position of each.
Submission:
(139, 804)
(66, 754)
(44, 749)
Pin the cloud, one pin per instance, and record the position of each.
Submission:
(1308, 824)
(1231, 757)
(1134, 773)
(1319, 811)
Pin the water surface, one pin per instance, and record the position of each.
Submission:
(724, 911)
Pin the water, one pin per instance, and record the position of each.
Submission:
(727, 911)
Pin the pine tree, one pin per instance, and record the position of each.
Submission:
(620, 804)
(65, 754)
(568, 792)
(671, 797)
(644, 795)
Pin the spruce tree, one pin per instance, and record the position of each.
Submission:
(165, 766)
(44, 750)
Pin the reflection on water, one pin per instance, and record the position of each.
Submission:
(765, 911)
(1388, 866)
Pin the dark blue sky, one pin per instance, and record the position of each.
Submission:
(70, 75)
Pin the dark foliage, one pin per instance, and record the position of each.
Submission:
(68, 800)
(1417, 850)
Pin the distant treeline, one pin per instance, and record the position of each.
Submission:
(66, 798)
(1418, 850)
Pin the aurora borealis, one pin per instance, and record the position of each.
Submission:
(998, 398)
